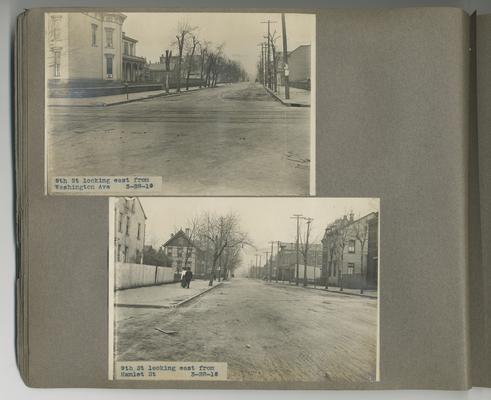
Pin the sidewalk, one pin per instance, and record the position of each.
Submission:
(162, 296)
(104, 101)
(298, 97)
(372, 294)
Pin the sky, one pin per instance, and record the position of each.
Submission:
(241, 32)
(264, 219)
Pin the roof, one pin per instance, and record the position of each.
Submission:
(143, 210)
(129, 39)
(336, 226)
(178, 235)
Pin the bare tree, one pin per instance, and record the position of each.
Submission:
(272, 39)
(360, 230)
(221, 232)
(342, 234)
(191, 234)
(215, 65)
(203, 47)
(331, 253)
(190, 57)
(183, 30)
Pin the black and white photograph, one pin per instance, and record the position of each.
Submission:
(244, 289)
(192, 103)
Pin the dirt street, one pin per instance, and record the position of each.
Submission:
(265, 332)
(233, 139)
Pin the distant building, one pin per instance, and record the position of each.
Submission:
(286, 260)
(299, 67)
(129, 230)
(157, 71)
(183, 252)
(350, 252)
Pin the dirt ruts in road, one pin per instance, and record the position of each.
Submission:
(264, 332)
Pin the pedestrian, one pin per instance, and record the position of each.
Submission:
(183, 277)
(188, 276)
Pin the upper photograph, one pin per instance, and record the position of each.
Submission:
(174, 104)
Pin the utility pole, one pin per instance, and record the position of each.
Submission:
(271, 263)
(297, 217)
(261, 63)
(278, 244)
(315, 264)
(285, 57)
(264, 64)
(309, 221)
(268, 66)
(168, 56)
(266, 261)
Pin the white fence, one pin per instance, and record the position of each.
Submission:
(134, 275)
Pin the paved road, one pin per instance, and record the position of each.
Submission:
(233, 139)
(264, 332)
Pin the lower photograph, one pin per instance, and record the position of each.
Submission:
(279, 289)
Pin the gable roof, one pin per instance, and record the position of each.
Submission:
(180, 235)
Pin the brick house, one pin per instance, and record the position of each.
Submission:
(350, 252)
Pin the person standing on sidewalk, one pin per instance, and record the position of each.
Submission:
(183, 277)
(188, 276)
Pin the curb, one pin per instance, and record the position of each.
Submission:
(152, 96)
(282, 101)
(332, 291)
(169, 306)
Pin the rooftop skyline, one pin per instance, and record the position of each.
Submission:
(241, 33)
(264, 219)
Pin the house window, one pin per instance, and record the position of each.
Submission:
(55, 27)
(126, 254)
(139, 231)
(179, 252)
(351, 269)
(119, 252)
(137, 256)
(351, 246)
(120, 223)
(109, 66)
(132, 49)
(94, 35)
(57, 63)
(128, 226)
(126, 48)
(109, 37)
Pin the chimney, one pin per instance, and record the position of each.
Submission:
(171, 235)
(187, 232)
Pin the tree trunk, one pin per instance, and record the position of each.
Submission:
(190, 66)
(361, 270)
(341, 275)
(305, 271)
(212, 274)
